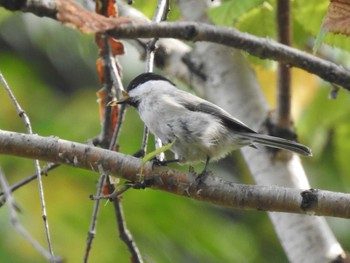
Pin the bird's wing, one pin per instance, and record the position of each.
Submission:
(229, 121)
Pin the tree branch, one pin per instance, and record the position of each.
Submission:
(212, 189)
(264, 48)
(27, 122)
(261, 47)
(17, 225)
(284, 74)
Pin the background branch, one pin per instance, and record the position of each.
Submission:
(193, 31)
(112, 119)
(284, 81)
(92, 228)
(15, 222)
(24, 116)
(261, 47)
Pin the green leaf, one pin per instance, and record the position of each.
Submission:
(264, 17)
(323, 117)
(310, 14)
(229, 12)
(153, 154)
(342, 146)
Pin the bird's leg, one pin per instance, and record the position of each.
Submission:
(191, 169)
(205, 171)
(140, 184)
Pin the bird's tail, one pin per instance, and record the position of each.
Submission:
(280, 143)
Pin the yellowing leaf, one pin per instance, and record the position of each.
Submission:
(337, 19)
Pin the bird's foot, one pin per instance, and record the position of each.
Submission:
(157, 162)
(202, 176)
(140, 184)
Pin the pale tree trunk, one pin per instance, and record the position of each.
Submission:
(232, 84)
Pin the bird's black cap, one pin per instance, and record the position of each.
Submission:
(144, 77)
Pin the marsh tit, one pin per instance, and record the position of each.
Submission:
(201, 130)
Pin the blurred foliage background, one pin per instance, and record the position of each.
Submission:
(51, 70)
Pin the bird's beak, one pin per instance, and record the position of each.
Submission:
(123, 100)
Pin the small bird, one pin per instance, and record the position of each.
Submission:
(198, 129)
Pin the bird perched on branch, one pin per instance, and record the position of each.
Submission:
(198, 129)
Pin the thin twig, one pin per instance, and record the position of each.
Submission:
(118, 85)
(92, 229)
(118, 126)
(112, 63)
(113, 195)
(150, 52)
(111, 93)
(48, 167)
(26, 120)
(106, 141)
(160, 14)
(124, 233)
(15, 222)
(283, 100)
(19, 110)
(114, 87)
(144, 142)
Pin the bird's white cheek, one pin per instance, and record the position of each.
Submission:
(150, 118)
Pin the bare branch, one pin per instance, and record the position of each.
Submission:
(20, 111)
(213, 190)
(15, 222)
(159, 15)
(92, 229)
(284, 83)
(48, 167)
(125, 234)
(261, 47)
(26, 120)
(112, 87)
(257, 46)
